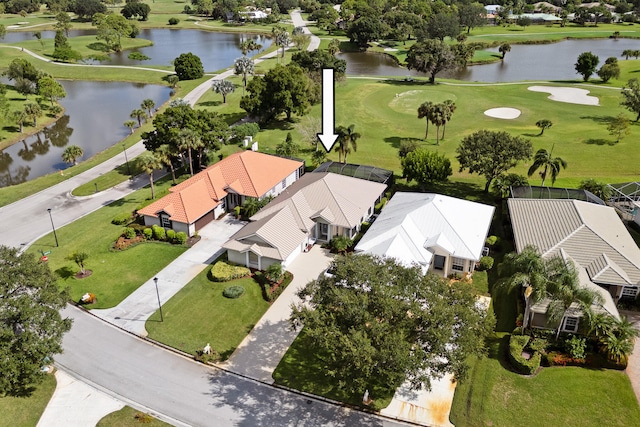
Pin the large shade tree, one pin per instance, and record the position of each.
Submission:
(586, 65)
(31, 327)
(491, 153)
(425, 167)
(631, 97)
(431, 57)
(378, 322)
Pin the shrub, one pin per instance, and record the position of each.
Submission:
(121, 219)
(274, 272)
(223, 272)
(486, 263)
(188, 66)
(147, 233)
(539, 344)
(129, 233)
(576, 347)
(491, 240)
(174, 21)
(273, 294)
(340, 244)
(233, 292)
(517, 343)
(200, 356)
(181, 237)
(171, 235)
(158, 232)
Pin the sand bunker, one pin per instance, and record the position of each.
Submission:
(567, 94)
(503, 113)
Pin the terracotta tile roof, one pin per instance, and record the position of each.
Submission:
(247, 173)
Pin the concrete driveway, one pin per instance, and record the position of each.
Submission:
(259, 353)
(633, 365)
(132, 313)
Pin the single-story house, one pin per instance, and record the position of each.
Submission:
(219, 188)
(439, 233)
(590, 235)
(317, 207)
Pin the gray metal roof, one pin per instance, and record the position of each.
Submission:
(592, 235)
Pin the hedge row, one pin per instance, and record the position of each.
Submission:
(517, 343)
(223, 272)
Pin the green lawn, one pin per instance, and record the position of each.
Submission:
(200, 314)
(26, 411)
(129, 417)
(302, 369)
(115, 273)
(567, 396)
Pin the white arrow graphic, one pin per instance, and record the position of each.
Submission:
(328, 136)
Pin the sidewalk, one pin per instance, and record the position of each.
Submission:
(259, 353)
(633, 364)
(132, 313)
(314, 42)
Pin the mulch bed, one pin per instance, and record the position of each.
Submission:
(81, 275)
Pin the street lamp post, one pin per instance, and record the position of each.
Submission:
(53, 226)
(155, 279)
(124, 148)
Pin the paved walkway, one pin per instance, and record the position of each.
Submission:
(296, 18)
(132, 313)
(633, 365)
(76, 404)
(259, 353)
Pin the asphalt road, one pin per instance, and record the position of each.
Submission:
(183, 392)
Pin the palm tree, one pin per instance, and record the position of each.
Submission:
(543, 159)
(71, 154)
(525, 270)
(437, 118)
(504, 48)
(19, 117)
(138, 114)
(244, 66)
(617, 348)
(165, 154)
(424, 111)
(148, 105)
(223, 87)
(282, 37)
(32, 110)
(449, 109)
(173, 80)
(249, 45)
(347, 139)
(130, 124)
(544, 124)
(189, 140)
(148, 162)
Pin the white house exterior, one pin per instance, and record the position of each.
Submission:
(438, 233)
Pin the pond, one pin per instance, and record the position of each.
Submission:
(93, 120)
(216, 50)
(524, 62)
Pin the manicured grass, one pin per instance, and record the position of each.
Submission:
(129, 417)
(480, 282)
(115, 273)
(200, 314)
(560, 396)
(302, 369)
(26, 411)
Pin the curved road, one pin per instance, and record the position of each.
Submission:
(183, 392)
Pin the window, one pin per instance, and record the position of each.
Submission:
(165, 221)
(570, 324)
(438, 262)
(629, 292)
(457, 264)
(284, 184)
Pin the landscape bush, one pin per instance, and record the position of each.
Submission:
(223, 272)
(212, 357)
(129, 233)
(171, 235)
(158, 232)
(273, 293)
(233, 292)
(121, 219)
(517, 343)
(486, 263)
(174, 21)
(181, 237)
(147, 233)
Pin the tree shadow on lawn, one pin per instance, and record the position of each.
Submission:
(100, 47)
(278, 125)
(600, 141)
(395, 141)
(210, 103)
(65, 273)
(599, 119)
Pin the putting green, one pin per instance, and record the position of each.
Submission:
(409, 101)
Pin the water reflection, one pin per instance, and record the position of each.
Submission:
(93, 120)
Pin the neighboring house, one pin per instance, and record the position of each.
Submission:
(590, 235)
(536, 18)
(436, 232)
(219, 188)
(317, 207)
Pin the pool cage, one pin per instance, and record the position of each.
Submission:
(369, 173)
(625, 198)
(534, 192)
